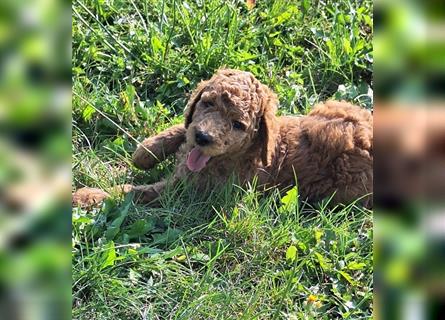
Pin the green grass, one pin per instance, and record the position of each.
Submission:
(233, 254)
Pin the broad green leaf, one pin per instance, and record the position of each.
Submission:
(244, 56)
(156, 45)
(124, 239)
(347, 46)
(360, 44)
(368, 20)
(347, 277)
(341, 18)
(88, 112)
(289, 201)
(290, 13)
(318, 234)
(111, 233)
(181, 258)
(82, 220)
(291, 253)
(306, 5)
(331, 47)
(114, 228)
(139, 228)
(356, 266)
(302, 246)
(109, 255)
(324, 262)
(128, 97)
(207, 42)
(290, 197)
(277, 42)
(167, 237)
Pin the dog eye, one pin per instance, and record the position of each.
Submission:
(208, 104)
(238, 125)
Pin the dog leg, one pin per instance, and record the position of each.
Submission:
(88, 197)
(149, 193)
(155, 149)
(91, 197)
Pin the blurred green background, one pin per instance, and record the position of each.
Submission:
(409, 163)
(35, 214)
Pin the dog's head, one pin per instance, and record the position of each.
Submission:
(229, 116)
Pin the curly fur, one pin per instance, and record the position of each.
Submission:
(328, 151)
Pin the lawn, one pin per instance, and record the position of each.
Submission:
(233, 254)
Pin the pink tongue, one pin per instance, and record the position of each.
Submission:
(196, 160)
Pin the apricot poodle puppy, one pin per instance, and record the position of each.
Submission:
(231, 128)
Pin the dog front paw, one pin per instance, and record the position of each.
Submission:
(88, 197)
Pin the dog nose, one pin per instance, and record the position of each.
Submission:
(203, 138)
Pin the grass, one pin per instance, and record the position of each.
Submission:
(233, 254)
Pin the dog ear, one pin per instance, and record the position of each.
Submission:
(268, 127)
(191, 104)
